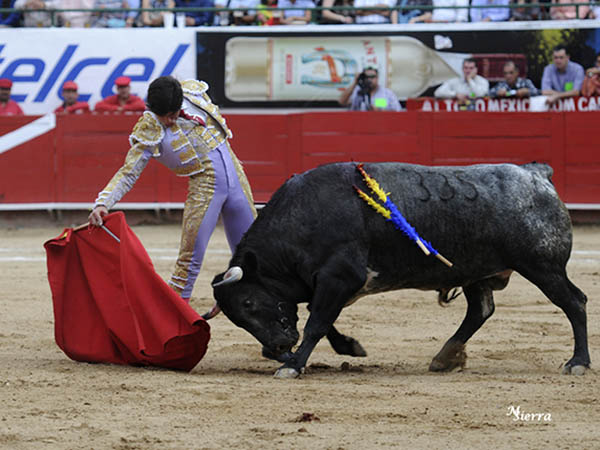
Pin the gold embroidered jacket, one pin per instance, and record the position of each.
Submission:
(182, 147)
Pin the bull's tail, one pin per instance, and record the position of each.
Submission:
(542, 169)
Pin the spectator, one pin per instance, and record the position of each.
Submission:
(329, 16)
(267, 16)
(155, 18)
(365, 94)
(114, 19)
(464, 88)
(412, 15)
(299, 16)
(9, 19)
(8, 107)
(492, 14)
(34, 19)
(248, 15)
(441, 12)
(563, 78)
(70, 104)
(591, 83)
(526, 11)
(133, 16)
(513, 85)
(124, 100)
(570, 12)
(383, 15)
(75, 19)
(197, 18)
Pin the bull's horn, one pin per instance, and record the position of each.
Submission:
(212, 313)
(233, 275)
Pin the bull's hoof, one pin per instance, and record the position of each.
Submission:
(573, 370)
(286, 372)
(357, 349)
(451, 356)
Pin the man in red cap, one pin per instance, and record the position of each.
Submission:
(124, 100)
(71, 105)
(8, 107)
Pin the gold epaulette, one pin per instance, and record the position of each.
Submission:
(147, 130)
(195, 92)
(194, 87)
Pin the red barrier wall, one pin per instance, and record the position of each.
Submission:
(75, 160)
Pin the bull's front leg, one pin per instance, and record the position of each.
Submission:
(335, 285)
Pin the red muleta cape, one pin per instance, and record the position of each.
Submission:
(111, 306)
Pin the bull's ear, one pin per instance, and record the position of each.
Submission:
(250, 264)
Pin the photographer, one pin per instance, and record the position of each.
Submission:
(365, 94)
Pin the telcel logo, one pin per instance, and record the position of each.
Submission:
(36, 68)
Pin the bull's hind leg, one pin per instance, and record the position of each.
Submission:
(553, 282)
(480, 301)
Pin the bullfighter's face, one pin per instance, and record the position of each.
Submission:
(251, 306)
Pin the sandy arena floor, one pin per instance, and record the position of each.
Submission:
(231, 400)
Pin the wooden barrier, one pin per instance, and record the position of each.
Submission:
(71, 163)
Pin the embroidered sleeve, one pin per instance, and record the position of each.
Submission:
(136, 160)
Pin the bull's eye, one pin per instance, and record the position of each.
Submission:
(247, 304)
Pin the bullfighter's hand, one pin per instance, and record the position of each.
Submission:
(97, 214)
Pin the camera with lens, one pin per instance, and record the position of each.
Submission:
(364, 83)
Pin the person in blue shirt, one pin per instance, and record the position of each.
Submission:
(196, 19)
(495, 12)
(9, 19)
(563, 78)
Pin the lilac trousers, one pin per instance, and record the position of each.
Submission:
(216, 191)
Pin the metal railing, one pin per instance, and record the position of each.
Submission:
(315, 12)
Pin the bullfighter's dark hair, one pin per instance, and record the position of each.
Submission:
(165, 95)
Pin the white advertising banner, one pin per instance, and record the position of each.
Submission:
(39, 61)
(301, 68)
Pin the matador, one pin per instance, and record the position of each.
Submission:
(185, 131)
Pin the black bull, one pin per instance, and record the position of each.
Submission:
(316, 241)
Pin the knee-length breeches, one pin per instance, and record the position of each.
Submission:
(221, 189)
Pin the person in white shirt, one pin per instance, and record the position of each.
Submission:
(443, 14)
(373, 15)
(469, 86)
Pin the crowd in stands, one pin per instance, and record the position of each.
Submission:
(561, 79)
(125, 13)
(122, 101)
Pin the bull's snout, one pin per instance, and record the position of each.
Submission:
(280, 346)
(285, 343)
